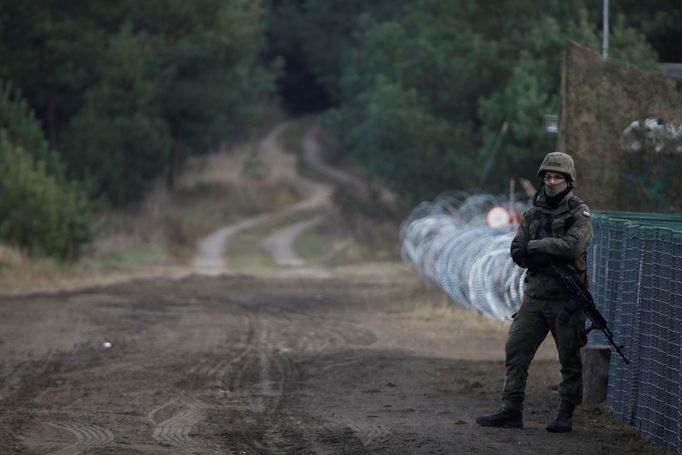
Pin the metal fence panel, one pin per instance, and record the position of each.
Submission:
(636, 279)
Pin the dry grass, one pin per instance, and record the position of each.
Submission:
(211, 191)
(327, 245)
(291, 140)
(10, 257)
(161, 232)
(246, 255)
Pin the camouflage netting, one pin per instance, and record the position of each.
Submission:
(622, 165)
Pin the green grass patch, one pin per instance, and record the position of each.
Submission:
(291, 139)
(140, 256)
(320, 245)
(244, 250)
(247, 256)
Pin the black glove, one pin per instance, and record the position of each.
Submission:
(520, 254)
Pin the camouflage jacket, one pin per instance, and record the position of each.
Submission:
(558, 235)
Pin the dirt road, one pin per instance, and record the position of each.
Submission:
(210, 258)
(369, 361)
(365, 359)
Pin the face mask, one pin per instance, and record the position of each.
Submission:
(553, 190)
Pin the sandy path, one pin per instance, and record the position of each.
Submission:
(280, 244)
(312, 155)
(210, 257)
(365, 363)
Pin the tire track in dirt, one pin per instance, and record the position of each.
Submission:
(13, 375)
(224, 353)
(326, 335)
(313, 366)
(322, 337)
(258, 384)
(252, 360)
(29, 381)
(175, 430)
(366, 432)
(252, 354)
(250, 374)
(87, 436)
(227, 353)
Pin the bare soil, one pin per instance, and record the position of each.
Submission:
(368, 360)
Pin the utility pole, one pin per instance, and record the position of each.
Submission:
(605, 31)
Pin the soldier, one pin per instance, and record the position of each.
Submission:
(556, 230)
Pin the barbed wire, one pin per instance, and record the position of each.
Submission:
(450, 243)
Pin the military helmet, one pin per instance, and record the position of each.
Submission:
(558, 162)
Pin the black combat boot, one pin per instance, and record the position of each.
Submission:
(505, 418)
(563, 423)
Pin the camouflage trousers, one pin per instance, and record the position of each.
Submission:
(529, 328)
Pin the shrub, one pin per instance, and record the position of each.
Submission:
(39, 209)
(36, 211)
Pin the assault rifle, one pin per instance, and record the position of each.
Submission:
(581, 298)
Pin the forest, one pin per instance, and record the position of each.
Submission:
(100, 100)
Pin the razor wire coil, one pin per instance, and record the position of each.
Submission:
(450, 243)
(635, 265)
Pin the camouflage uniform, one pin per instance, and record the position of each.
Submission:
(559, 234)
(554, 232)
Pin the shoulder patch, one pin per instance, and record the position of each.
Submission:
(587, 214)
